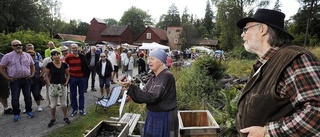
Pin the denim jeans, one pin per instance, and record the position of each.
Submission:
(75, 84)
(93, 78)
(16, 86)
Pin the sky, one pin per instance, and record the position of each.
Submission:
(86, 10)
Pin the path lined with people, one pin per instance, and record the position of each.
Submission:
(38, 126)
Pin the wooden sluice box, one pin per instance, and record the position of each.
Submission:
(109, 128)
(197, 123)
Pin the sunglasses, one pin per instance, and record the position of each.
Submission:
(17, 45)
(32, 54)
(102, 56)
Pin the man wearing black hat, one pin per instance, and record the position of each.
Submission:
(282, 95)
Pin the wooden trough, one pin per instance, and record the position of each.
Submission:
(197, 123)
(109, 128)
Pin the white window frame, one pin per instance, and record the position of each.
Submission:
(148, 36)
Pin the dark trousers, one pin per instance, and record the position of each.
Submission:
(93, 77)
(16, 86)
(77, 86)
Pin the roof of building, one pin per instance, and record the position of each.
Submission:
(100, 20)
(70, 37)
(114, 31)
(160, 32)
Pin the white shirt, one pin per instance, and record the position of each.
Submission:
(113, 59)
(103, 69)
(123, 57)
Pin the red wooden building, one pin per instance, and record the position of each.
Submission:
(150, 35)
(118, 35)
(96, 27)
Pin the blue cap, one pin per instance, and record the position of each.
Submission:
(159, 54)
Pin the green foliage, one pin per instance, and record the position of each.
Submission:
(136, 18)
(172, 18)
(39, 40)
(111, 22)
(240, 68)
(210, 66)
(224, 111)
(208, 20)
(239, 52)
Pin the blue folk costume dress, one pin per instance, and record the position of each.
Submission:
(159, 94)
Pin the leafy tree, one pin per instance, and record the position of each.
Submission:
(207, 21)
(307, 19)
(229, 12)
(111, 22)
(172, 18)
(185, 18)
(137, 19)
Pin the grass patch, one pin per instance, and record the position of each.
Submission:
(80, 124)
(239, 68)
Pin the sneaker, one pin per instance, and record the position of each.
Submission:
(83, 113)
(24, 111)
(30, 114)
(74, 112)
(16, 118)
(51, 122)
(66, 120)
(40, 109)
(93, 89)
(8, 111)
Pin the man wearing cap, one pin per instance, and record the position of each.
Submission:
(281, 97)
(160, 96)
(64, 51)
(18, 68)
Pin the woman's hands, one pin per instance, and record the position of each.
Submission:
(124, 81)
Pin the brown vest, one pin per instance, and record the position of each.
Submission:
(259, 102)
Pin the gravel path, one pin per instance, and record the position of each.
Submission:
(38, 126)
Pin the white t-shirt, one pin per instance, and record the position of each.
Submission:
(123, 57)
(113, 59)
(103, 64)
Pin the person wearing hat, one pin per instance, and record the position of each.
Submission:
(65, 52)
(281, 97)
(159, 94)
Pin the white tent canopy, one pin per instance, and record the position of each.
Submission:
(153, 45)
(202, 49)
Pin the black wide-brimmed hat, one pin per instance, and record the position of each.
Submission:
(270, 17)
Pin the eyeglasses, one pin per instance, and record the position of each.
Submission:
(245, 29)
(17, 45)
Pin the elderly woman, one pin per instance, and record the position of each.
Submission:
(159, 94)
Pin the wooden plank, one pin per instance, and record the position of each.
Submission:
(131, 119)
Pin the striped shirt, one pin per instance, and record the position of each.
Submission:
(301, 82)
(74, 66)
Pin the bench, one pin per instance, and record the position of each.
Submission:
(131, 119)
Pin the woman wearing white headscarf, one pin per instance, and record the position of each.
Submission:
(159, 94)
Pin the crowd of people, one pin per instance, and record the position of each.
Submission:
(62, 68)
